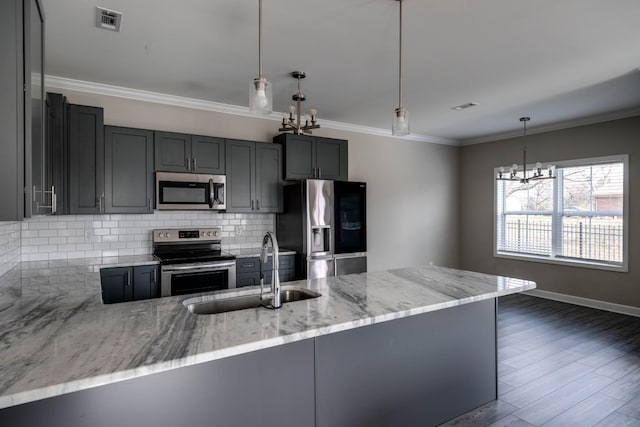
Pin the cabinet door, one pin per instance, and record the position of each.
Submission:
(117, 284)
(332, 159)
(208, 155)
(57, 142)
(145, 282)
(240, 176)
(86, 160)
(173, 152)
(128, 170)
(299, 156)
(12, 117)
(268, 185)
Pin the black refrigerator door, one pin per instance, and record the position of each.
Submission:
(350, 206)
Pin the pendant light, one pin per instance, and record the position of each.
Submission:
(260, 99)
(536, 173)
(400, 115)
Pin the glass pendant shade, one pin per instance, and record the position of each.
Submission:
(260, 99)
(400, 122)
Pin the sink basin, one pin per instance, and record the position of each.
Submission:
(216, 304)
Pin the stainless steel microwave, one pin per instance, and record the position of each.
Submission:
(190, 191)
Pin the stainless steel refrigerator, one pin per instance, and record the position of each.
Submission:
(325, 223)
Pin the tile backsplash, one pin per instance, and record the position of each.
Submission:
(9, 245)
(86, 236)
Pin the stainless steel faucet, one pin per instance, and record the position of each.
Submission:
(275, 277)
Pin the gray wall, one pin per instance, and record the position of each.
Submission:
(477, 198)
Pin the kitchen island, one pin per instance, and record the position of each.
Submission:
(74, 358)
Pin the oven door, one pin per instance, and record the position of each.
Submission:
(182, 279)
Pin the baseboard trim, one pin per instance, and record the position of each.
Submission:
(586, 302)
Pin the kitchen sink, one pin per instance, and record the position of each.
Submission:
(216, 304)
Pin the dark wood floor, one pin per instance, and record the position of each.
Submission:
(562, 365)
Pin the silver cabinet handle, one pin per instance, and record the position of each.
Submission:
(128, 278)
(155, 275)
(195, 165)
(188, 163)
(257, 205)
(100, 204)
(251, 204)
(54, 199)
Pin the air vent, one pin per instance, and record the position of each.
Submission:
(108, 19)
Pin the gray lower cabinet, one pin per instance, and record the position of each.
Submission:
(86, 160)
(248, 270)
(273, 387)
(253, 177)
(122, 284)
(128, 170)
(179, 152)
(307, 157)
(420, 370)
(416, 371)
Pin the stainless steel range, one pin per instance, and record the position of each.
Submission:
(191, 260)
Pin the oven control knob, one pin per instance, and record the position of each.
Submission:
(208, 233)
(167, 234)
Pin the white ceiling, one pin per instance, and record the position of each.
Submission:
(558, 61)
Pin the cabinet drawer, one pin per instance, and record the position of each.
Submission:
(247, 265)
(247, 279)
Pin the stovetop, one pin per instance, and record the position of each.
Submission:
(173, 246)
(181, 256)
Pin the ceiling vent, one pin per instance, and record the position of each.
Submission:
(108, 19)
(464, 106)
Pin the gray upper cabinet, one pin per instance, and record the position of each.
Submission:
(253, 177)
(241, 191)
(128, 170)
(21, 105)
(179, 152)
(268, 183)
(332, 159)
(314, 157)
(173, 152)
(208, 155)
(86, 160)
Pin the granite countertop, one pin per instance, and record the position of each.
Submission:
(54, 343)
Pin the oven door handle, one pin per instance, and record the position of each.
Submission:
(198, 267)
(211, 195)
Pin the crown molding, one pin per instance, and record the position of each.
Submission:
(199, 104)
(566, 124)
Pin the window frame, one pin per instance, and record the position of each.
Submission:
(556, 219)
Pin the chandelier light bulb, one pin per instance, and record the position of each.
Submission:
(514, 166)
(313, 112)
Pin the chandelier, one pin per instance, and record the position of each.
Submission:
(400, 124)
(536, 173)
(293, 119)
(260, 99)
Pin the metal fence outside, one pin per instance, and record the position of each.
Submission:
(591, 238)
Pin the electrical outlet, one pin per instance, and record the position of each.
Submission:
(88, 235)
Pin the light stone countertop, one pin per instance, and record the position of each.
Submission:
(57, 342)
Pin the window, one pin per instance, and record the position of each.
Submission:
(580, 218)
